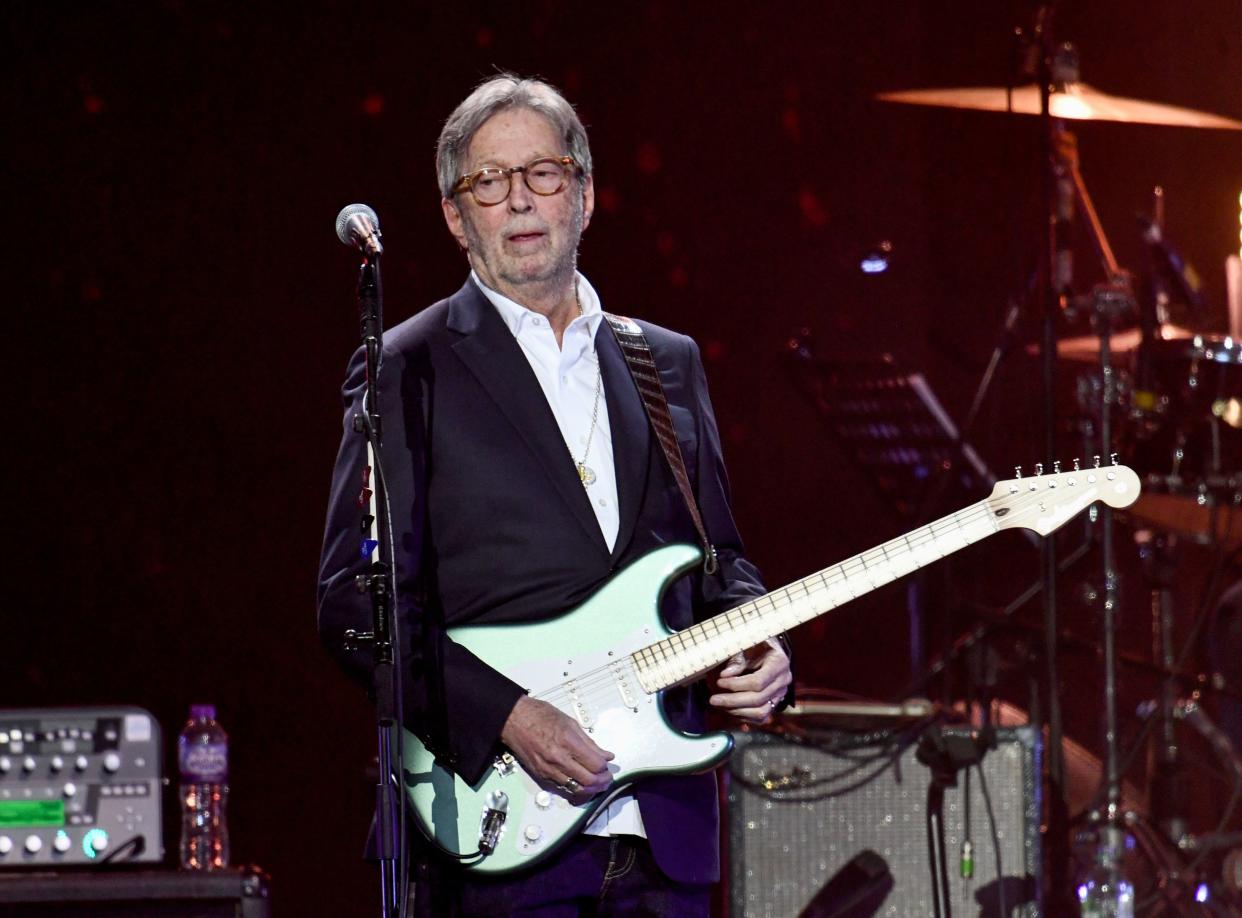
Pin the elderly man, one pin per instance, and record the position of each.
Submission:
(523, 473)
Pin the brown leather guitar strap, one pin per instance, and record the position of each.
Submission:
(642, 366)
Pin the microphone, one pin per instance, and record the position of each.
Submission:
(358, 226)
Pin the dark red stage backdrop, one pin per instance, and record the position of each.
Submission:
(180, 313)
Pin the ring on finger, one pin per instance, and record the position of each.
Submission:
(571, 786)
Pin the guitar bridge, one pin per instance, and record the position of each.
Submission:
(504, 764)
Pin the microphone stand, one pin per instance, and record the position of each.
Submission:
(379, 583)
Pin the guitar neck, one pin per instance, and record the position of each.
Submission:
(688, 654)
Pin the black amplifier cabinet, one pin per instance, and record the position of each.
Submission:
(241, 893)
(79, 787)
(799, 813)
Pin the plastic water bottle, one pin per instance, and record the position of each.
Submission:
(1105, 891)
(203, 758)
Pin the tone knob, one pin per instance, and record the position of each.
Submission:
(34, 844)
(28, 763)
(543, 800)
(61, 843)
(112, 762)
(70, 789)
(80, 763)
(533, 833)
(6, 845)
(57, 763)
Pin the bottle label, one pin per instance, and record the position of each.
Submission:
(206, 763)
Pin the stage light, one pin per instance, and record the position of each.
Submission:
(876, 260)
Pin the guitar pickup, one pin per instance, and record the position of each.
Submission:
(576, 705)
(624, 688)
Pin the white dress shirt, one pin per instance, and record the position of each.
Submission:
(568, 375)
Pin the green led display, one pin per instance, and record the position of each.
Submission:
(32, 813)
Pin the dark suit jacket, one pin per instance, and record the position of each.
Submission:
(487, 507)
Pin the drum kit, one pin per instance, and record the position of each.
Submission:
(1168, 399)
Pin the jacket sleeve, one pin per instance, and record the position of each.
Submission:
(460, 715)
(738, 579)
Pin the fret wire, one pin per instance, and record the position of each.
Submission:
(953, 532)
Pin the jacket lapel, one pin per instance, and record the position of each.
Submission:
(631, 434)
(490, 352)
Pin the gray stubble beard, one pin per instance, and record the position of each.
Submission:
(559, 271)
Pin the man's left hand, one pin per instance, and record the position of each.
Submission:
(753, 683)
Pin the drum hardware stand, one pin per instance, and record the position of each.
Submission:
(1169, 798)
(1063, 188)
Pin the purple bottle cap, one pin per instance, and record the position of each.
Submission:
(202, 712)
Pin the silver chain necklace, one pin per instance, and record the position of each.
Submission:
(586, 474)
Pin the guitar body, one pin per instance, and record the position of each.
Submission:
(581, 663)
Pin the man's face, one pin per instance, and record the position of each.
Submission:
(526, 246)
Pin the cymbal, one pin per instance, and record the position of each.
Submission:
(1086, 348)
(1073, 102)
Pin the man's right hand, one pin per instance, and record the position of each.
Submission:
(554, 748)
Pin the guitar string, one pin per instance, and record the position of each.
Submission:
(829, 579)
(834, 576)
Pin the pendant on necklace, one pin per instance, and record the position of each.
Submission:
(585, 474)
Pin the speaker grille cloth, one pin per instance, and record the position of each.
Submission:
(784, 846)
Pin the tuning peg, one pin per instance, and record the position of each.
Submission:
(1096, 459)
(1056, 467)
(1039, 468)
(1113, 458)
(1017, 471)
(1076, 468)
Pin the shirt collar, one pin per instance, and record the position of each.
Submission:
(515, 315)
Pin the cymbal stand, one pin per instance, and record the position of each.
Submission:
(1067, 189)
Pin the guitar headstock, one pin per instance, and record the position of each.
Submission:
(1043, 502)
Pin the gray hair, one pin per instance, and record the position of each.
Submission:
(506, 90)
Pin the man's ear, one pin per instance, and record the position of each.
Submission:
(453, 219)
(588, 201)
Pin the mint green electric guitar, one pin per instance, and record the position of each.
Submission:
(607, 662)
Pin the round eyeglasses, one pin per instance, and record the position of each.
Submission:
(545, 176)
